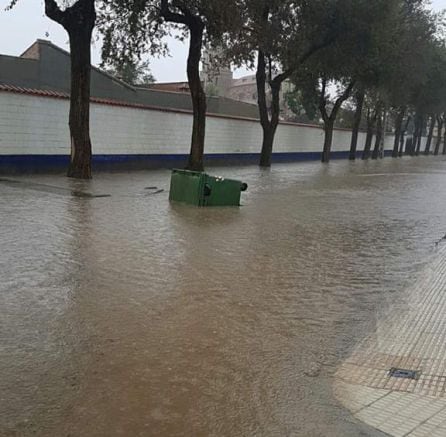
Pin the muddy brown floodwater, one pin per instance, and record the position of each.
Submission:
(128, 316)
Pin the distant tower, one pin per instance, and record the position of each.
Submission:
(217, 79)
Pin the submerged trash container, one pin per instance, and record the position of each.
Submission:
(200, 189)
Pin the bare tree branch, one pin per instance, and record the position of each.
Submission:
(53, 11)
(173, 17)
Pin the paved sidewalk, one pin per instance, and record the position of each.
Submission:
(414, 340)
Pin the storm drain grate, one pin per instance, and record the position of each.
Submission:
(404, 373)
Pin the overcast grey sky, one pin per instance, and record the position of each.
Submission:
(20, 27)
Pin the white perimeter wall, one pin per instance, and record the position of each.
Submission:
(39, 125)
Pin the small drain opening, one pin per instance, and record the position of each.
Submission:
(404, 373)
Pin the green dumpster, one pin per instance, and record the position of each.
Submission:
(201, 189)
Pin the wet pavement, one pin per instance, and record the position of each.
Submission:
(411, 400)
(126, 315)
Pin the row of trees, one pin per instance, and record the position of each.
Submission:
(387, 56)
(395, 76)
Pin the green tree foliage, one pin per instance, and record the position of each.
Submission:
(330, 76)
(392, 54)
(301, 104)
(279, 36)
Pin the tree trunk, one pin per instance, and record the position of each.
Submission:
(356, 124)
(398, 130)
(371, 120)
(196, 30)
(330, 119)
(269, 126)
(268, 138)
(410, 146)
(382, 144)
(269, 131)
(79, 119)
(267, 147)
(403, 133)
(368, 143)
(427, 149)
(411, 150)
(328, 139)
(379, 134)
(418, 143)
(444, 143)
(418, 135)
(401, 151)
(438, 141)
(78, 20)
(198, 95)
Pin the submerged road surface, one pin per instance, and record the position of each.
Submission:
(128, 316)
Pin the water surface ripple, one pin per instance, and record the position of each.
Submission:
(128, 316)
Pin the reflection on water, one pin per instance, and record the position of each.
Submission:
(129, 316)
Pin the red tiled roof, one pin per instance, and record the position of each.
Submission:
(59, 94)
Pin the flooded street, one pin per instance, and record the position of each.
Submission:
(129, 316)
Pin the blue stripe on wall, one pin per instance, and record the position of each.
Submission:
(48, 163)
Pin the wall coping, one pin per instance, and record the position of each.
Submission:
(110, 102)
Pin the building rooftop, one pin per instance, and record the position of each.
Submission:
(244, 80)
(45, 68)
